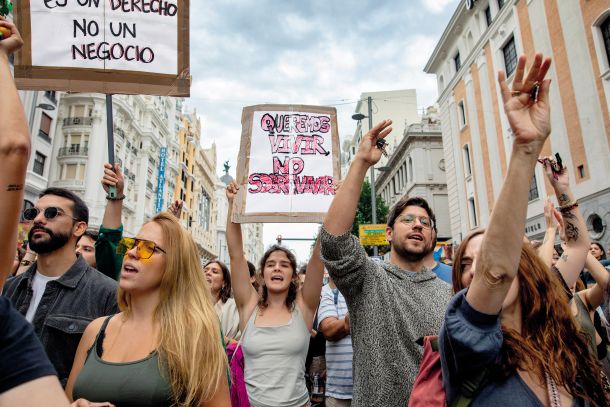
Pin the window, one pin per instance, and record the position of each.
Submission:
(70, 171)
(488, 16)
(462, 112)
(581, 171)
(473, 213)
(39, 160)
(51, 95)
(467, 165)
(533, 194)
(510, 56)
(605, 28)
(457, 61)
(500, 4)
(410, 169)
(45, 126)
(204, 210)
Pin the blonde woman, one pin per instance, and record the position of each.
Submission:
(164, 347)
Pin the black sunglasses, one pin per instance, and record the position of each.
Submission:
(49, 213)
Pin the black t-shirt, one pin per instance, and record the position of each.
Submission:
(22, 357)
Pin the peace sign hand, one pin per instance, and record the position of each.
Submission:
(529, 119)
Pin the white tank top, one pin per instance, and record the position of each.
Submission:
(274, 359)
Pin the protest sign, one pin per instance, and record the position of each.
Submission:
(288, 163)
(372, 235)
(106, 46)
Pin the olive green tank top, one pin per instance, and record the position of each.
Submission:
(131, 384)
(586, 324)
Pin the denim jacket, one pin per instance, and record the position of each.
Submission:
(67, 306)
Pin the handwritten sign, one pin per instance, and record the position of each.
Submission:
(289, 161)
(108, 46)
(372, 235)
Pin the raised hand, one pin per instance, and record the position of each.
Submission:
(559, 180)
(529, 119)
(549, 213)
(367, 151)
(231, 191)
(176, 208)
(13, 42)
(113, 178)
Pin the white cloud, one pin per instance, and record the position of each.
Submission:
(438, 6)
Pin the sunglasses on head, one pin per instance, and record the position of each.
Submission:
(49, 213)
(145, 248)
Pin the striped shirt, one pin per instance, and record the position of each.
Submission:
(338, 354)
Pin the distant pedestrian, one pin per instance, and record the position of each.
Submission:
(219, 280)
(335, 325)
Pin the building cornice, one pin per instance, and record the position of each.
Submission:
(432, 61)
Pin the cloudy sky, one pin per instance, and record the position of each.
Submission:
(318, 52)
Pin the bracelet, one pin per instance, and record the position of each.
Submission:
(568, 207)
(118, 198)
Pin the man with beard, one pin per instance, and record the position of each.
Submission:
(60, 294)
(391, 304)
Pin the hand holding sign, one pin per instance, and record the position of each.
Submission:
(368, 150)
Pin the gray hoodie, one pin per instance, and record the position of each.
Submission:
(390, 308)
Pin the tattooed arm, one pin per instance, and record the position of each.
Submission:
(576, 237)
(14, 152)
(594, 296)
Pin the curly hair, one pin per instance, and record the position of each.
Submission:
(292, 289)
(550, 339)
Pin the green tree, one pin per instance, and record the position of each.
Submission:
(364, 212)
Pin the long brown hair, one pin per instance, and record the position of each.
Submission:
(292, 289)
(190, 348)
(550, 339)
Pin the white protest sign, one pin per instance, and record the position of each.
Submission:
(83, 43)
(289, 161)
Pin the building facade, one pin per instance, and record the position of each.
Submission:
(144, 127)
(485, 36)
(398, 105)
(41, 112)
(417, 168)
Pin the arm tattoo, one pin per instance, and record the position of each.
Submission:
(568, 215)
(564, 257)
(14, 187)
(571, 231)
(563, 199)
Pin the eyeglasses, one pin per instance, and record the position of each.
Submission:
(49, 213)
(145, 248)
(425, 221)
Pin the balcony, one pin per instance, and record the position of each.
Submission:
(78, 121)
(73, 151)
(149, 186)
(119, 132)
(69, 184)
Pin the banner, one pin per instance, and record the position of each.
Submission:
(105, 46)
(372, 235)
(288, 163)
(161, 180)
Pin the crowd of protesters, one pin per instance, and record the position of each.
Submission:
(96, 318)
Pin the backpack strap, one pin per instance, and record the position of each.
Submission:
(470, 387)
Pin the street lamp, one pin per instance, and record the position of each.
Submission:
(360, 116)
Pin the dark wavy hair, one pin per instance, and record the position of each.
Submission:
(225, 291)
(405, 201)
(292, 289)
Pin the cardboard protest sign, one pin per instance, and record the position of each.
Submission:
(106, 46)
(288, 163)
